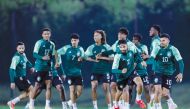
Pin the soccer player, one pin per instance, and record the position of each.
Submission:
(17, 73)
(101, 67)
(74, 55)
(122, 35)
(142, 71)
(44, 52)
(165, 58)
(123, 67)
(154, 33)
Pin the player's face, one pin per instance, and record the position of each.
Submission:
(164, 42)
(152, 32)
(122, 36)
(74, 42)
(135, 40)
(123, 48)
(97, 37)
(20, 49)
(46, 35)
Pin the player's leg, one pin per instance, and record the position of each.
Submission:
(166, 89)
(139, 88)
(158, 91)
(72, 94)
(113, 87)
(126, 97)
(94, 85)
(48, 83)
(120, 86)
(106, 89)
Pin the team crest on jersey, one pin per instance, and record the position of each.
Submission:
(169, 54)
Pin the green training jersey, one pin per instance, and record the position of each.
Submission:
(103, 66)
(142, 49)
(41, 49)
(18, 66)
(154, 45)
(122, 61)
(72, 66)
(165, 59)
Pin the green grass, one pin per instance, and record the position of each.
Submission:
(179, 93)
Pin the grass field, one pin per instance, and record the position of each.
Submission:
(180, 94)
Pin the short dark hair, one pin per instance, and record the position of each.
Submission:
(157, 28)
(45, 29)
(124, 30)
(20, 43)
(103, 34)
(122, 42)
(165, 35)
(138, 36)
(75, 36)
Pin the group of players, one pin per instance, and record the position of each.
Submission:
(129, 60)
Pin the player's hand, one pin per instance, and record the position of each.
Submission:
(124, 70)
(12, 85)
(57, 65)
(63, 77)
(144, 64)
(32, 70)
(46, 58)
(80, 59)
(179, 77)
(144, 56)
(98, 56)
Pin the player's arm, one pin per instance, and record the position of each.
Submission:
(60, 52)
(138, 59)
(12, 71)
(82, 57)
(36, 50)
(179, 59)
(89, 54)
(103, 56)
(153, 55)
(115, 65)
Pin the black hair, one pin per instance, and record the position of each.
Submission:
(157, 28)
(165, 35)
(46, 29)
(75, 36)
(122, 42)
(124, 30)
(20, 43)
(138, 36)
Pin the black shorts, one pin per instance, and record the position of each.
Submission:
(57, 81)
(113, 78)
(41, 76)
(127, 81)
(164, 80)
(103, 78)
(145, 80)
(151, 77)
(22, 83)
(75, 80)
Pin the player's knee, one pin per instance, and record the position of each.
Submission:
(113, 86)
(59, 88)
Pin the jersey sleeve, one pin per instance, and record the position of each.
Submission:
(115, 66)
(36, 50)
(88, 51)
(12, 70)
(53, 49)
(82, 52)
(176, 53)
(114, 46)
(155, 51)
(109, 48)
(62, 50)
(155, 47)
(132, 47)
(145, 49)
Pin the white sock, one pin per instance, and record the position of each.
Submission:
(114, 102)
(74, 106)
(149, 106)
(127, 105)
(157, 106)
(64, 104)
(138, 97)
(170, 100)
(32, 102)
(16, 100)
(109, 106)
(69, 102)
(48, 103)
(151, 97)
(95, 104)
